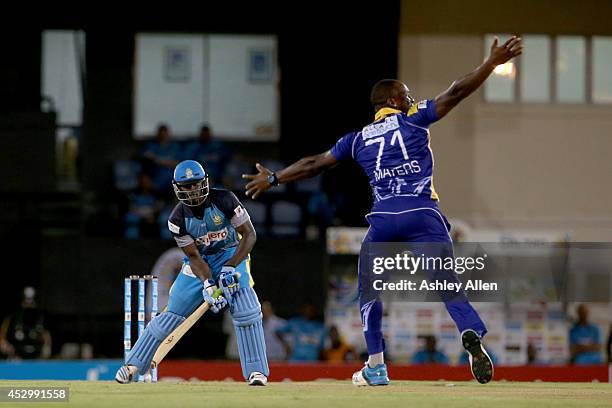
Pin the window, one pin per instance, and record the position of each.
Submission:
(535, 69)
(565, 69)
(500, 85)
(602, 70)
(62, 73)
(570, 75)
(63, 54)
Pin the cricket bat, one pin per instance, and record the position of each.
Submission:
(173, 338)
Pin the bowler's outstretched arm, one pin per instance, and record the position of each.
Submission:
(463, 87)
(304, 168)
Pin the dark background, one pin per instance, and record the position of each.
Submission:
(61, 242)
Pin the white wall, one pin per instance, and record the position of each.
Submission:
(179, 104)
(219, 90)
(239, 107)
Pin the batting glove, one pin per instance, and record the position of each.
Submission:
(228, 281)
(215, 304)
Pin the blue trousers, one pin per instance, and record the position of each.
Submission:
(186, 296)
(416, 225)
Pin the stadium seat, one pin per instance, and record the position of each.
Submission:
(286, 218)
(309, 186)
(257, 212)
(233, 174)
(125, 174)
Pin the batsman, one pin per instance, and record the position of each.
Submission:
(215, 231)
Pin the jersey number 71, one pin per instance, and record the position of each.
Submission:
(381, 140)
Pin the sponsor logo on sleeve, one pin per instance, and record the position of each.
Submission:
(173, 228)
(422, 104)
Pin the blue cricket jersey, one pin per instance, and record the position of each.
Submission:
(582, 334)
(212, 226)
(395, 153)
(308, 338)
(162, 175)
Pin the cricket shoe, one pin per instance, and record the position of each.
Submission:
(480, 362)
(371, 376)
(125, 374)
(257, 378)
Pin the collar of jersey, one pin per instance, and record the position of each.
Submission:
(384, 112)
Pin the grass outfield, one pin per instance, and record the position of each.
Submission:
(334, 394)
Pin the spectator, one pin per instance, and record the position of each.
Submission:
(162, 221)
(323, 207)
(23, 334)
(609, 348)
(159, 159)
(271, 323)
(532, 355)
(429, 354)
(585, 341)
(143, 208)
(213, 154)
(339, 350)
(307, 335)
(237, 166)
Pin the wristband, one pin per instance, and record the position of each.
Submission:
(273, 180)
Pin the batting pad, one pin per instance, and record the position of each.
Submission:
(246, 314)
(146, 346)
